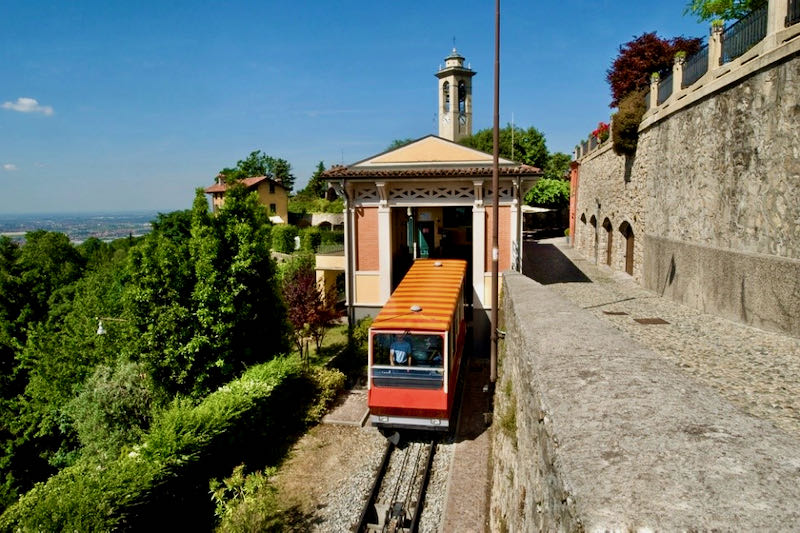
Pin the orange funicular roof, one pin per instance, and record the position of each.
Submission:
(432, 285)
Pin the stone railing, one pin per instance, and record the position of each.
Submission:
(763, 37)
(593, 432)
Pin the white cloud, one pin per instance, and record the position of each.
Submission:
(28, 105)
(9, 167)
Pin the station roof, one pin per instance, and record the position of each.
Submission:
(433, 157)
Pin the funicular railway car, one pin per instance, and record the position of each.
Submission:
(415, 348)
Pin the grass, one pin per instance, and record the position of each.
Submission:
(508, 418)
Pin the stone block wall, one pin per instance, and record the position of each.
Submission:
(592, 432)
(720, 175)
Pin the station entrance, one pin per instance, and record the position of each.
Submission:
(434, 233)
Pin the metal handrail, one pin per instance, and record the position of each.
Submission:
(695, 67)
(664, 89)
(744, 34)
(793, 16)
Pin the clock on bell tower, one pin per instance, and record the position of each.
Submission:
(455, 98)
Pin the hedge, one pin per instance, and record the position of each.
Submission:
(283, 238)
(310, 239)
(162, 483)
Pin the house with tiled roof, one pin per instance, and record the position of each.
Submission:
(271, 193)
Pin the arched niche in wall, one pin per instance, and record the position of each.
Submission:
(627, 233)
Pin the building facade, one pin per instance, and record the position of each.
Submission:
(431, 198)
(272, 194)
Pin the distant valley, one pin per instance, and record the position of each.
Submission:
(79, 226)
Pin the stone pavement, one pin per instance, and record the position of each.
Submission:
(467, 502)
(758, 371)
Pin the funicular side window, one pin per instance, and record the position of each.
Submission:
(408, 360)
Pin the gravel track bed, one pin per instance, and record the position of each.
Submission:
(339, 508)
(436, 495)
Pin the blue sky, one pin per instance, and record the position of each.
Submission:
(109, 106)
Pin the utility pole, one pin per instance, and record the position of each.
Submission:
(495, 191)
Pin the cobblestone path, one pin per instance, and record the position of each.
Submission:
(757, 370)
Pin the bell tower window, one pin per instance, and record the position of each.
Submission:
(446, 95)
(462, 98)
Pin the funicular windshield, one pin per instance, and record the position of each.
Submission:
(408, 360)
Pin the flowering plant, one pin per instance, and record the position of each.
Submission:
(601, 133)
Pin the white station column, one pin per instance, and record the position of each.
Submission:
(384, 244)
(478, 244)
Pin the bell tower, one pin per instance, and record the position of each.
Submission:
(455, 98)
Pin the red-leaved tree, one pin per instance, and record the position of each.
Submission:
(639, 58)
(309, 311)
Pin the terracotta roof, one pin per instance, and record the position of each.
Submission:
(339, 171)
(247, 182)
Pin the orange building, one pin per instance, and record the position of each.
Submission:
(271, 193)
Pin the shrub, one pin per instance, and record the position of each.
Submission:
(162, 484)
(283, 238)
(625, 123)
(333, 237)
(310, 239)
(247, 502)
(114, 408)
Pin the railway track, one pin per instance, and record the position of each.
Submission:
(398, 491)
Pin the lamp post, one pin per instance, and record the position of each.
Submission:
(495, 191)
(100, 329)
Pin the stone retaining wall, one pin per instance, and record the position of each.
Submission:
(720, 175)
(592, 432)
(751, 288)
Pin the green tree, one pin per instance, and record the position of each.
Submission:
(260, 164)
(47, 262)
(551, 193)
(706, 10)
(176, 226)
(557, 165)
(202, 306)
(317, 186)
(525, 146)
(58, 354)
(397, 143)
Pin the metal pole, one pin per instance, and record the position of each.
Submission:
(495, 190)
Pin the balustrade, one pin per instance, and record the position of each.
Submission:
(664, 88)
(744, 34)
(793, 17)
(695, 67)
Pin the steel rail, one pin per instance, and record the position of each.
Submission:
(376, 487)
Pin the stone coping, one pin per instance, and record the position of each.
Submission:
(761, 56)
(633, 443)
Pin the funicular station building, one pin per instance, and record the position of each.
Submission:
(431, 198)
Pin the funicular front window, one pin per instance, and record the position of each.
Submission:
(408, 359)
